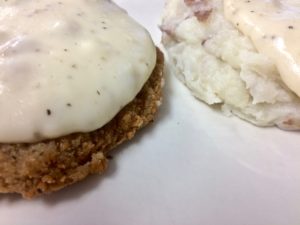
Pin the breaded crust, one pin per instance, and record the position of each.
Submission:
(47, 166)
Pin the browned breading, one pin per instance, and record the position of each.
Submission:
(47, 166)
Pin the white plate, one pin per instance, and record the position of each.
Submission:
(193, 166)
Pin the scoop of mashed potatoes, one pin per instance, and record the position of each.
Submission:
(221, 66)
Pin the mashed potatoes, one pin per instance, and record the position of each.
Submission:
(221, 66)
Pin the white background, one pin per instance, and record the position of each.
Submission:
(193, 166)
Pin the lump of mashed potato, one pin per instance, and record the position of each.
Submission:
(220, 65)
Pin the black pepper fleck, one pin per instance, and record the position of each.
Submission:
(37, 86)
(48, 112)
(109, 157)
(69, 104)
(291, 27)
(98, 92)
(37, 135)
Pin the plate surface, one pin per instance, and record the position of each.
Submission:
(193, 166)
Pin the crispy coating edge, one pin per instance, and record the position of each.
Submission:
(47, 166)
